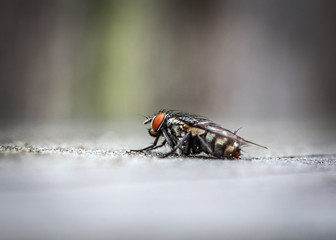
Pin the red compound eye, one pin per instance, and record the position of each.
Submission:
(157, 121)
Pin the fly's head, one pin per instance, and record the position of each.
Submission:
(157, 122)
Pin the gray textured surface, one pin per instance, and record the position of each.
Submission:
(80, 183)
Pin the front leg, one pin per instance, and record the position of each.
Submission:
(185, 138)
(161, 145)
(168, 138)
(152, 146)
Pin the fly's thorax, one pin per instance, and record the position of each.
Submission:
(175, 127)
(173, 121)
(176, 130)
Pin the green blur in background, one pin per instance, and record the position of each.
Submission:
(111, 60)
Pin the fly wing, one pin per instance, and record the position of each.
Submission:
(217, 130)
(204, 123)
(226, 133)
(208, 125)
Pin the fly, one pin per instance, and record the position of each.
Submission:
(193, 134)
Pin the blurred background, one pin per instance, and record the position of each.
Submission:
(110, 60)
(73, 72)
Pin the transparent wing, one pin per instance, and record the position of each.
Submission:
(208, 125)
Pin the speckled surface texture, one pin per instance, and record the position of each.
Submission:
(80, 182)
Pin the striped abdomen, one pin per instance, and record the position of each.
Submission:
(222, 146)
(219, 146)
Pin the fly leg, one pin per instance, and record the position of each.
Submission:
(152, 146)
(161, 145)
(205, 146)
(168, 138)
(187, 150)
(185, 138)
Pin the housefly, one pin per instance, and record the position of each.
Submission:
(193, 134)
